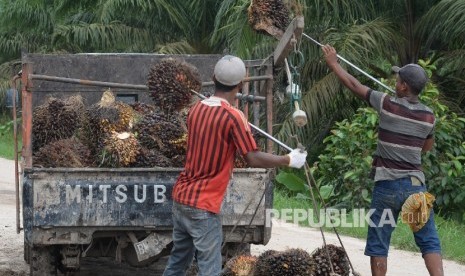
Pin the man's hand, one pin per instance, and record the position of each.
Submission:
(297, 158)
(347, 79)
(330, 55)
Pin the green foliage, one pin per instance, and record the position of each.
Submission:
(444, 165)
(7, 137)
(6, 128)
(346, 161)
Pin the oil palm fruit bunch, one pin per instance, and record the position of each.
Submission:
(163, 133)
(55, 120)
(269, 17)
(142, 108)
(170, 82)
(264, 263)
(69, 153)
(290, 262)
(105, 117)
(239, 162)
(149, 158)
(338, 259)
(114, 116)
(120, 150)
(240, 265)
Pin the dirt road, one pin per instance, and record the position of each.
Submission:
(283, 236)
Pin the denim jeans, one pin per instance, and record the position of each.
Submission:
(195, 230)
(388, 198)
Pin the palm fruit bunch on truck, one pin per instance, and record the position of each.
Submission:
(114, 134)
(55, 120)
(69, 152)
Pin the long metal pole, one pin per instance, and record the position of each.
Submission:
(247, 98)
(353, 65)
(254, 127)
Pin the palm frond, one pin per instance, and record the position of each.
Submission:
(175, 48)
(364, 42)
(101, 36)
(26, 14)
(444, 23)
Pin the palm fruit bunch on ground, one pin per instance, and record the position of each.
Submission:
(241, 265)
(170, 82)
(71, 153)
(55, 120)
(264, 262)
(120, 150)
(268, 17)
(286, 263)
(338, 259)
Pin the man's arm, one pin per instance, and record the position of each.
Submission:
(258, 159)
(428, 145)
(347, 79)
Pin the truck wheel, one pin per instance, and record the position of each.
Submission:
(42, 261)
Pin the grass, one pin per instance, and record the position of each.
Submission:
(7, 141)
(450, 232)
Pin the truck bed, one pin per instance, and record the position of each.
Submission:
(69, 205)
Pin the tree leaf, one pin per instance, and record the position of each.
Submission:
(291, 181)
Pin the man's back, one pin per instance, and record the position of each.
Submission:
(216, 131)
(403, 130)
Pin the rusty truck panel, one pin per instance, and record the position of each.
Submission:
(85, 201)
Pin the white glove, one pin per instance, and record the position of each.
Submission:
(297, 158)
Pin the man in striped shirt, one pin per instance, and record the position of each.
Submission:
(405, 130)
(216, 131)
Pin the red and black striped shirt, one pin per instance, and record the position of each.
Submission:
(216, 131)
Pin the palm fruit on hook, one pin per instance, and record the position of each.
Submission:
(120, 150)
(269, 17)
(55, 120)
(69, 153)
(170, 82)
(241, 265)
(338, 259)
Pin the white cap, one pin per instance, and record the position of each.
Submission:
(229, 70)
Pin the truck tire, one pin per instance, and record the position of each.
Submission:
(42, 261)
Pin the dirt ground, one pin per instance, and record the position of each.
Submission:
(284, 236)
